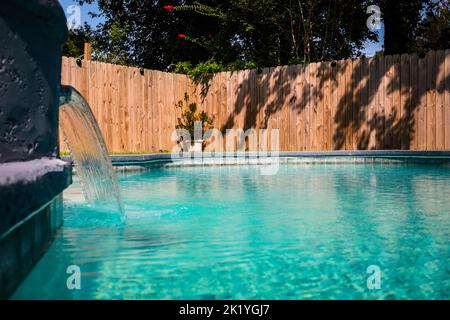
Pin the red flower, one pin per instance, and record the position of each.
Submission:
(168, 8)
(181, 36)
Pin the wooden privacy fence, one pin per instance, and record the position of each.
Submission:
(390, 102)
(135, 111)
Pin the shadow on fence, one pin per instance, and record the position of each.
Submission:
(392, 125)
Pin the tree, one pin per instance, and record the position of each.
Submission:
(111, 44)
(241, 33)
(415, 25)
(400, 20)
(233, 32)
(74, 47)
(433, 33)
(143, 34)
(274, 32)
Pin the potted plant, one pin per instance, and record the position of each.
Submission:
(192, 121)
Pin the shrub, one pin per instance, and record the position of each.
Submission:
(190, 115)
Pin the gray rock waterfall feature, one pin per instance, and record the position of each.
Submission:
(32, 178)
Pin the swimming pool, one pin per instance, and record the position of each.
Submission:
(308, 232)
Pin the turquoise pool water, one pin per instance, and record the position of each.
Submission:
(309, 232)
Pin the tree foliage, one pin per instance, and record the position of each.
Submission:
(190, 115)
(74, 46)
(199, 36)
(415, 25)
(434, 30)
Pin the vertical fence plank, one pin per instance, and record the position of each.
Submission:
(307, 112)
(431, 101)
(405, 101)
(125, 121)
(104, 104)
(101, 102)
(356, 107)
(389, 97)
(237, 107)
(251, 108)
(314, 105)
(319, 129)
(447, 99)
(131, 110)
(363, 133)
(327, 106)
(299, 108)
(348, 114)
(381, 96)
(109, 105)
(148, 108)
(169, 111)
(144, 103)
(339, 119)
(230, 106)
(157, 108)
(296, 108)
(290, 98)
(396, 111)
(372, 100)
(115, 111)
(440, 92)
(166, 111)
(269, 116)
(413, 125)
(334, 87)
(139, 110)
(162, 113)
(277, 107)
(154, 111)
(260, 94)
(216, 114)
(224, 84)
(422, 104)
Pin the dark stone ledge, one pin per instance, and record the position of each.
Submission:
(27, 186)
(30, 215)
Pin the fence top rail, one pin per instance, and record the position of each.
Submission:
(268, 69)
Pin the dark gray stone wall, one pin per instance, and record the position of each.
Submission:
(31, 35)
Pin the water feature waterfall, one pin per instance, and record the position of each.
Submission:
(88, 149)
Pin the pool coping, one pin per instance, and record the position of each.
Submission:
(432, 156)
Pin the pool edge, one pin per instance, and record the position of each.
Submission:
(132, 161)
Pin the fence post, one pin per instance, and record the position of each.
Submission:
(87, 51)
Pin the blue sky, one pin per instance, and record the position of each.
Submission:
(85, 9)
(370, 47)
